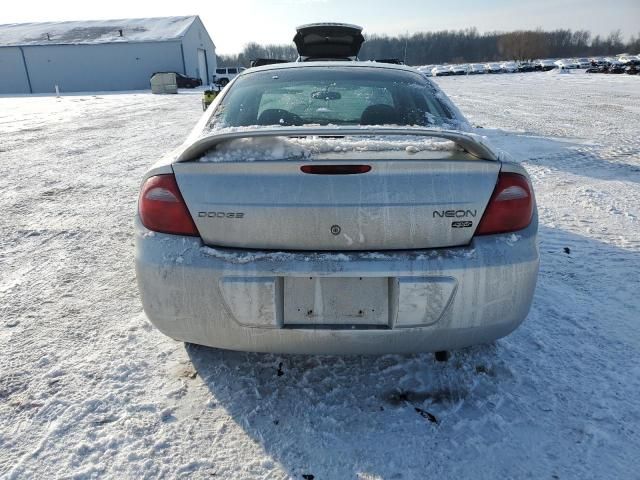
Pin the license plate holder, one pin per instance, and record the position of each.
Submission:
(336, 301)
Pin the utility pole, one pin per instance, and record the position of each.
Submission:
(406, 41)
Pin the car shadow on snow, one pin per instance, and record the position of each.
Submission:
(334, 416)
(617, 161)
(401, 416)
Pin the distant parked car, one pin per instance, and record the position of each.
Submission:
(459, 69)
(546, 65)
(392, 61)
(616, 68)
(625, 58)
(524, 67)
(184, 81)
(426, 70)
(509, 67)
(597, 69)
(476, 68)
(633, 68)
(567, 63)
(226, 74)
(597, 62)
(259, 62)
(493, 68)
(441, 71)
(583, 62)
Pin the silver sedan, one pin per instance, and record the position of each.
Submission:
(336, 207)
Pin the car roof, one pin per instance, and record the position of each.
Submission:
(337, 64)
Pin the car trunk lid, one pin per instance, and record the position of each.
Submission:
(401, 200)
(328, 40)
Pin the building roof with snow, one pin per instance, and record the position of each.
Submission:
(102, 55)
(95, 31)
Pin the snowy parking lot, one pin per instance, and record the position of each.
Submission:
(89, 389)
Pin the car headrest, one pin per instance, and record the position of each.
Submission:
(278, 116)
(379, 114)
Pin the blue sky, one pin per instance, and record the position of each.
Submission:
(232, 23)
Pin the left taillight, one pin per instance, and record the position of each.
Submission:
(162, 208)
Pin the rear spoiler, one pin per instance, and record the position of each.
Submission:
(469, 142)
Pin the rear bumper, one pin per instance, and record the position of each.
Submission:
(437, 299)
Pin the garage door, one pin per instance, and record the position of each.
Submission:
(202, 66)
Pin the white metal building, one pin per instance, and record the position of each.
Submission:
(102, 55)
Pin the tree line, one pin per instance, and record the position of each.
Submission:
(461, 46)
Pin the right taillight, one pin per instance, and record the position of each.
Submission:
(162, 208)
(510, 207)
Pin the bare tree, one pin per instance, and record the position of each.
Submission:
(463, 46)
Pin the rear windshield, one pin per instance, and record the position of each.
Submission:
(333, 96)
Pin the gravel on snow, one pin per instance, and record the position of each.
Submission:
(88, 388)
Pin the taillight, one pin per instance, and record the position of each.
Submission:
(510, 207)
(162, 208)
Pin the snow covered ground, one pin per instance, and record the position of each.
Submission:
(88, 388)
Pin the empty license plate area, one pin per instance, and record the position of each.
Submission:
(358, 301)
